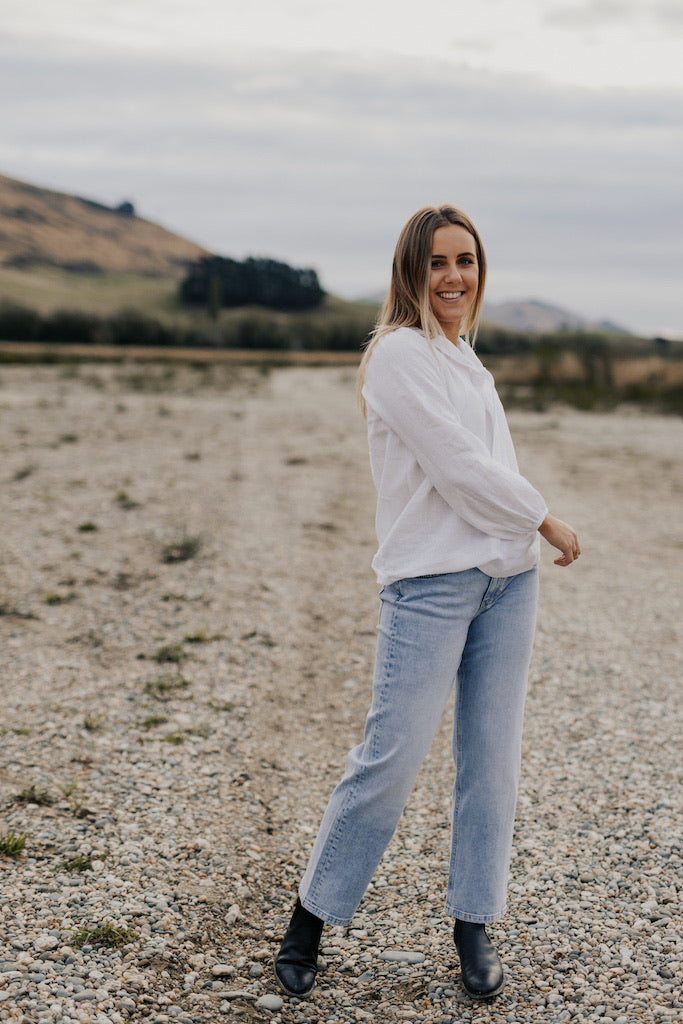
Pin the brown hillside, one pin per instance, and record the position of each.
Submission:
(41, 228)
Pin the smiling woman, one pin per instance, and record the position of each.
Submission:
(458, 530)
(438, 277)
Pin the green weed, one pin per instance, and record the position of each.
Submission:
(41, 797)
(153, 721)
(221, 705)
(175, 738)
(201, 731)
(103, 935)
(164, 686)
(124, 501)
(182, 549)
(59, 597)
(21, 474)
(12, 844)
(170, 652)
(200, 636)
(79, 863)
(11, 610)
(93, 722)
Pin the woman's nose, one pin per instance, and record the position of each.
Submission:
(454, 273)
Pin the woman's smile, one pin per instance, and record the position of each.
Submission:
(454, 278)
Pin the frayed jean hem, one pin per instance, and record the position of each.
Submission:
(462, 915)
(331, 919)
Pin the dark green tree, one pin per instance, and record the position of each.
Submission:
(253, 282)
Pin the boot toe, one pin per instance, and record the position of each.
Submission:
(295, 980)
(483, 983)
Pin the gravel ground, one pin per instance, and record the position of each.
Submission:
(171, 729)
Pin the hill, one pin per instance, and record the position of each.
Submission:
(41, 229)
(60, 251)
(539, 317)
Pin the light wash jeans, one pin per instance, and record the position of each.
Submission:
(464, 628)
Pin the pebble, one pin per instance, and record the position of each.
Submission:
(270, 1002)
(45, 942)
(402, 956)
(223, 970)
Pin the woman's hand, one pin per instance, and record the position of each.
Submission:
(561, 536)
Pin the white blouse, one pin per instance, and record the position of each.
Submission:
(449, 494)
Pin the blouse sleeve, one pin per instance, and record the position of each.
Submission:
(405, 388)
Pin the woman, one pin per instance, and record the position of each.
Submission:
(458, 530)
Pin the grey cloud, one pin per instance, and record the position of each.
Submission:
(590, 13)
(613, 13)
(669, 13)
(320, 161)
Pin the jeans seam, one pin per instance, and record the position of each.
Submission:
(389, 664)
(458, 776)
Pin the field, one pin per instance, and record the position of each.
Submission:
(187, 618)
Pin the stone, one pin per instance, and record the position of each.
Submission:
(270, 1002)
(402, 956)
(223, 970)
(45, 942)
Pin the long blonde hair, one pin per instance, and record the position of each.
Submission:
(407, 304)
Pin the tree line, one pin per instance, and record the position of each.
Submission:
(336, 331)
(346, 329)
(217, 282)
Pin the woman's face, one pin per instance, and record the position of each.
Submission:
(454, 277)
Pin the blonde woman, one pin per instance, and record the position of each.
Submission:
(458, 530)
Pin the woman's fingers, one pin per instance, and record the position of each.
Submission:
(562, 536)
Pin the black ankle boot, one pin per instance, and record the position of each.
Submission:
(482, 971)
(296, 965)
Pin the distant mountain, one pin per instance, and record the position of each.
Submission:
(537, 317)
(41, 228)
(533, 316)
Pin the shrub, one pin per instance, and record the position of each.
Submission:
(132, 328)
(18, 323)
(69, 325)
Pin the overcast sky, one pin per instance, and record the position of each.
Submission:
(310, 131)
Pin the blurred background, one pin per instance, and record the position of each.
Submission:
(236, 176)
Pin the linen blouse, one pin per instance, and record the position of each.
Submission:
(450, 496)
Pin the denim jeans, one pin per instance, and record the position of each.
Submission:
(462, 628)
